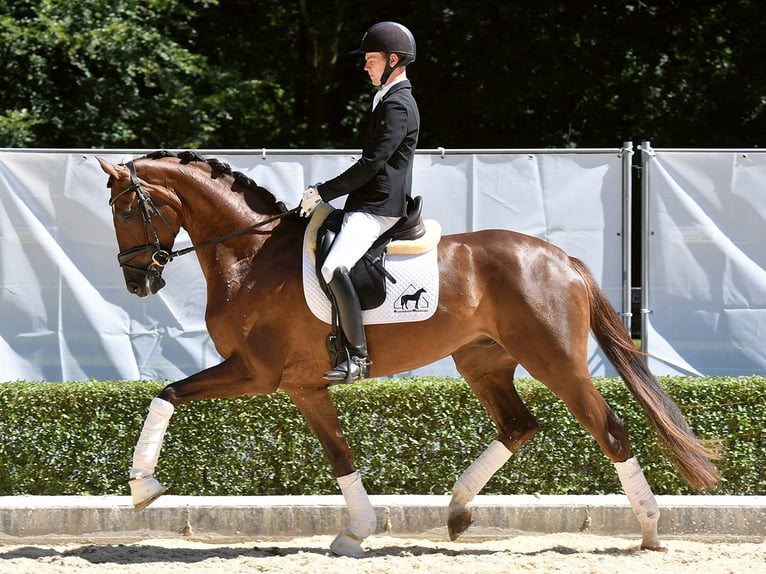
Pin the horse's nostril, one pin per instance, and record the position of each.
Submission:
(133, 287)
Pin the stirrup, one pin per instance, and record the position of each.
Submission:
(354, 368)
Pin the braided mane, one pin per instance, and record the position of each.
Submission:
(218, 168)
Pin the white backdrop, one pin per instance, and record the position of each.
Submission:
(65, 313)
(707, 262)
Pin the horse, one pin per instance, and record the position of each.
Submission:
(505, 299)
(405, 299)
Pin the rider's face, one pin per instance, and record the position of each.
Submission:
(375, 64)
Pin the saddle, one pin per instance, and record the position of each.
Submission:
(369, 275)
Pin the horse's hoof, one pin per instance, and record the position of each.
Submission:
(145, 491)
(655, 546)
(459, 523)
(346, 544)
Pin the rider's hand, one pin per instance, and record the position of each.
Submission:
(311, 199)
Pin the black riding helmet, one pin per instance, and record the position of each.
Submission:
(389, 38)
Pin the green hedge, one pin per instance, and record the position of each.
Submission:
(410, 436)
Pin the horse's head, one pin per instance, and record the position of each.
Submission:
(146, 220)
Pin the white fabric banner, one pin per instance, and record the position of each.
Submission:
(707, 259)
(65, 313)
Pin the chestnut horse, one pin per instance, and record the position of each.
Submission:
(505, 299)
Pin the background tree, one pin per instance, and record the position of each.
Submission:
(279, 73)
(81, 73)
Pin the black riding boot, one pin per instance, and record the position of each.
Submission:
(356, 365)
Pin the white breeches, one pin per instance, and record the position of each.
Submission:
(357, 234)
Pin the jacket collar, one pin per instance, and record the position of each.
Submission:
(395, 87)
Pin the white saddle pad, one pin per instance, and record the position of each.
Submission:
(413, 297)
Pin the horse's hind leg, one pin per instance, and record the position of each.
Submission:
(489, 370)
(593, 413)
(642, 501)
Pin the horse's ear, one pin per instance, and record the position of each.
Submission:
(108, 168)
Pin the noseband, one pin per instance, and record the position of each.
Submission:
(160, 256)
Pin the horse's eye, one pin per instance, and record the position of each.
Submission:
(126, 216)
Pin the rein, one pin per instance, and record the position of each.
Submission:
(162, 257)
(242, 231)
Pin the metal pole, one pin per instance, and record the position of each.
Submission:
(646, 159)
(627, 193)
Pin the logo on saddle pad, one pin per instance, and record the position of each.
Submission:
(412, 300)
(414, 266)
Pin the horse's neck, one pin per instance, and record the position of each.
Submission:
(213, 213)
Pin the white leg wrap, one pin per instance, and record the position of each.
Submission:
(478, 474)
(147, 451)
(641, 499)
(362, 514)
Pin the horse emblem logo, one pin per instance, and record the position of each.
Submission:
(412, 300)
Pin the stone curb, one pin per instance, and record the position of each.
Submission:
(113, 517)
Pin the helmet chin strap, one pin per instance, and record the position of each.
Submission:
(388, 70)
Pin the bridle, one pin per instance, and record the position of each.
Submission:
(160, 255)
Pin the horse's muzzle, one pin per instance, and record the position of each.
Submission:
(144, 284)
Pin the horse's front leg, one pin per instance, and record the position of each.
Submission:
(227, 379)
(144, 488)
(318, 410)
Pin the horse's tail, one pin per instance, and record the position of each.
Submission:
(691, 458)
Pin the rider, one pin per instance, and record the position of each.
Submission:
(377, 185)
